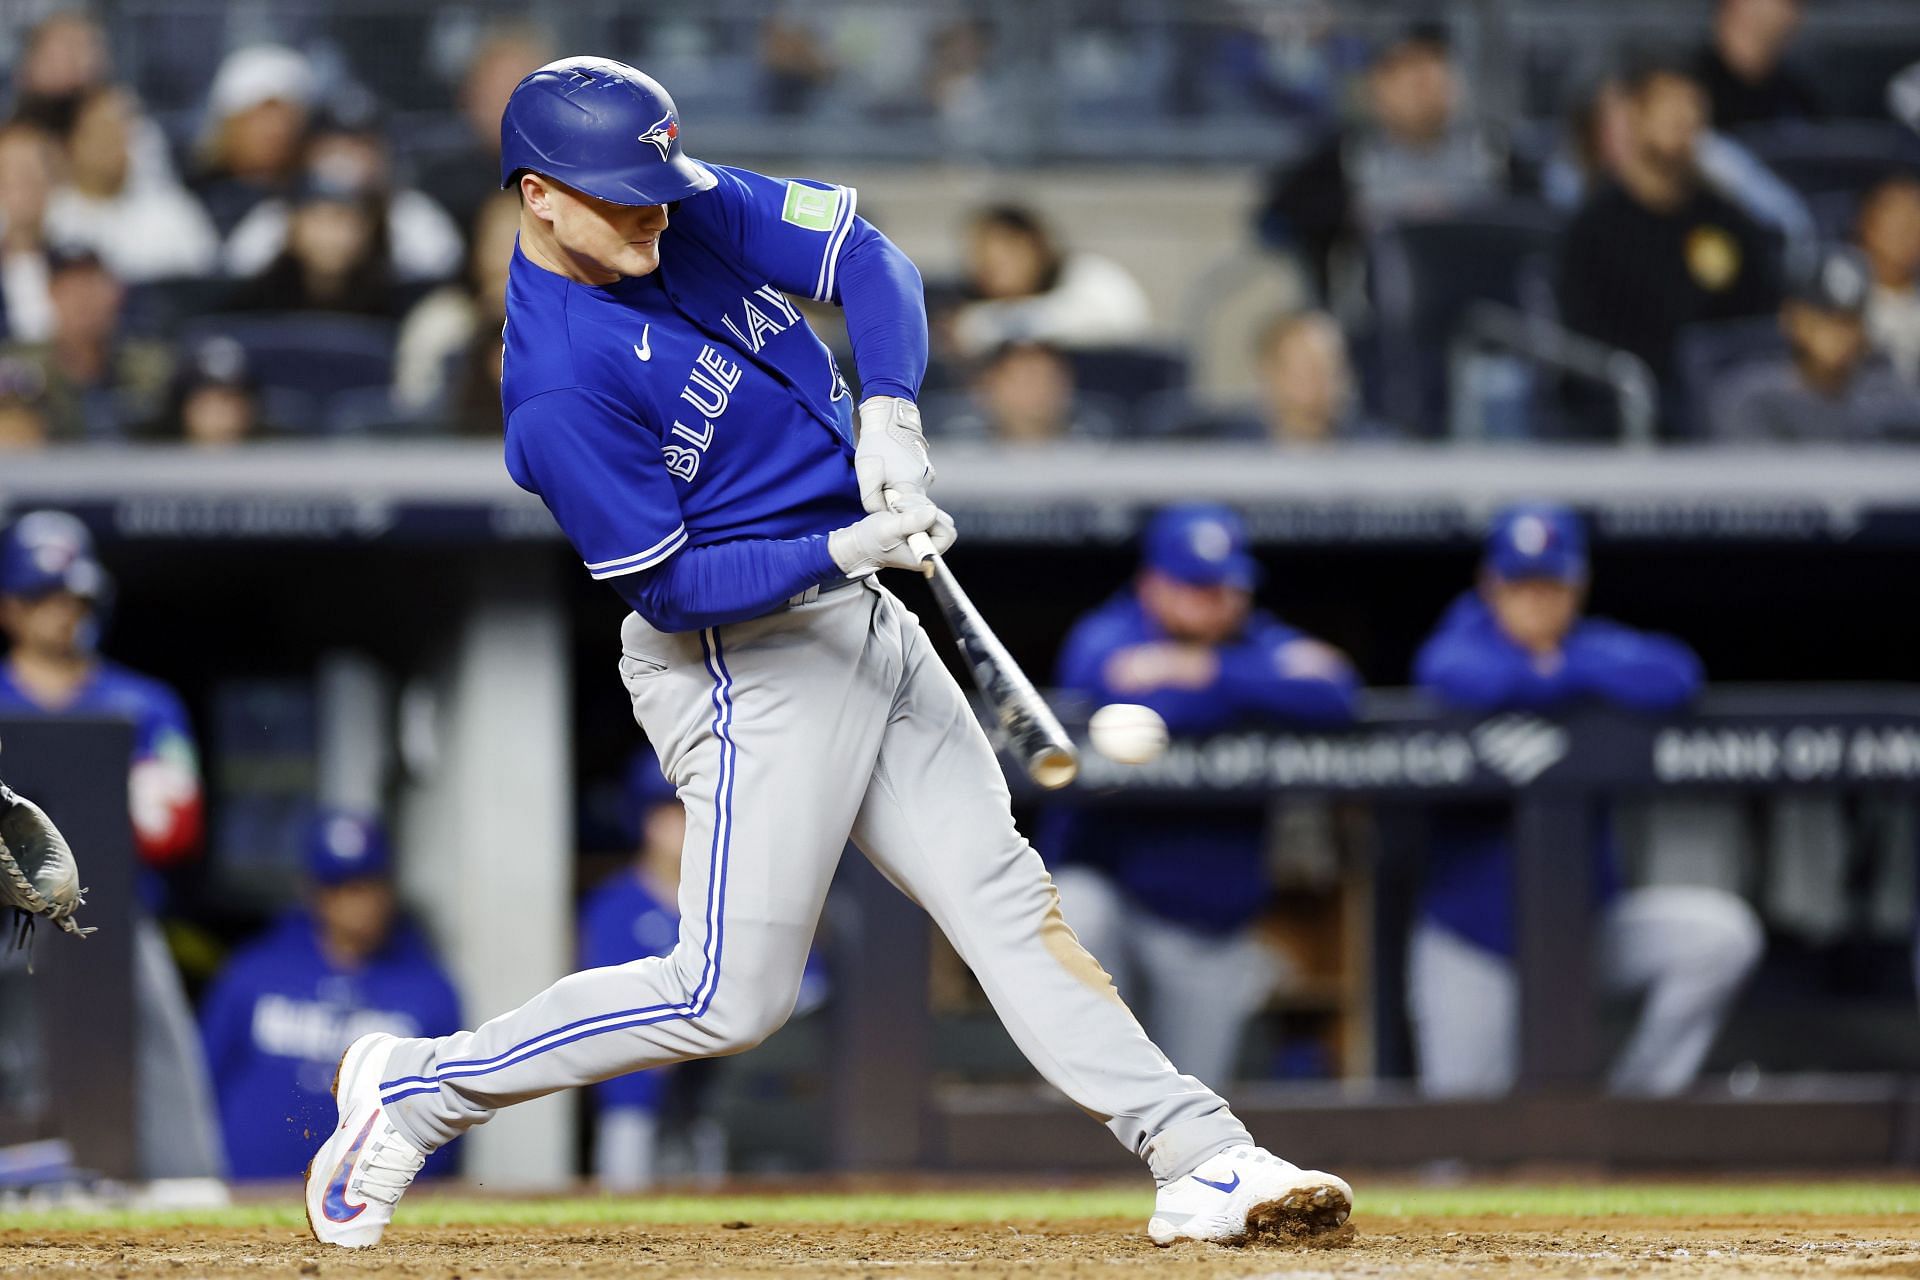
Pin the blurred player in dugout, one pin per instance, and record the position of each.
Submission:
(632, 915)
(1166, 897)
(1519, 642)
(343, 963)
(54, 598)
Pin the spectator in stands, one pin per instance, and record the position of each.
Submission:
(53, 598)
(335, 257)
(1742, 67)
(1415, 155)
(1306, 389)
(144, 230)
(1023, 287)
(1834, 386)
(65, 56)
(24, 423)
(1653, 249)
(1164, 897)
(1519, 643)
(66, 59)
(794, 62)
(1024, 394)
(1306, 383)
(284, 1008)
(635, 914)
(443, 326)
(348, 149)
(466, 176)
(26, 182)
(214, 401)
(97, 382)
(257, 116)
(1890, 236)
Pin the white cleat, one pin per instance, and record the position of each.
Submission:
(360, 1173)
(1247, 1195)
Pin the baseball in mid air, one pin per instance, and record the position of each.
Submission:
(1128, 733)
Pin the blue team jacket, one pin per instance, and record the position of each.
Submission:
(1471, 665)
(1205, 868)
(279, 1016)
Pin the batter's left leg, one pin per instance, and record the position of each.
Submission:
(938, 821)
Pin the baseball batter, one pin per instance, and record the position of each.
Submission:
(697, 445)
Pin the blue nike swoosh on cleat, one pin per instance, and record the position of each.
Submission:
(1218, 1186)
(334, 1203)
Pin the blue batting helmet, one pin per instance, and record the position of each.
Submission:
(600, 127)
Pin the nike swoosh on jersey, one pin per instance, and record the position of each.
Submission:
(335, 1205)
(644, 347)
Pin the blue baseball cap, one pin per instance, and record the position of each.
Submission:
(49, 551)
(647, 788)
(1201, 544)
(344, 846)
(1537, 540)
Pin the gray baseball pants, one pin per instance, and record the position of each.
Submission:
(783, 735)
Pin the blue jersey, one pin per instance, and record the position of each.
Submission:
(279, 1016)
(1203, 868)
(163, 785)
(1471, 664)
(693, 408)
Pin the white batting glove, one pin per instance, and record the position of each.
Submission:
(880, 540)
(891, 453)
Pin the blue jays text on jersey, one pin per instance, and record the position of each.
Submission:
(694, 408)
(279, 1016)
(1470, 663)
(1207, 871)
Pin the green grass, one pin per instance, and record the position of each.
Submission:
(1376, 1201)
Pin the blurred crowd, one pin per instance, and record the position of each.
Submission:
(1709, 244)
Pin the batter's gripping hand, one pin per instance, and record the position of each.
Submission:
(891, 454)
(38, 876)
(880, 540)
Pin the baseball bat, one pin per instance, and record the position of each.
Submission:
(1032, 729)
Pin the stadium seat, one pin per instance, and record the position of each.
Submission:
(1129, 374)
(1706, 353)
(372, 411)
(1423, 275)
(1841, 159)
(315, 353)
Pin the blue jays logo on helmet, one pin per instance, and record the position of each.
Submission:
(663, 133)
(600, 127)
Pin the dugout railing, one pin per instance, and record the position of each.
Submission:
(1556, 773)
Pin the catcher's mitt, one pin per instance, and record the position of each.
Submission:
(38, 876)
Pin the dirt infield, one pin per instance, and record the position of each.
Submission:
(1096, 1250)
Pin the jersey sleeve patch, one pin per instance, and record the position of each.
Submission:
(810, 208)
